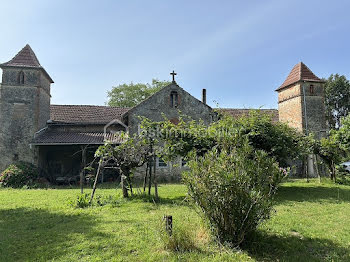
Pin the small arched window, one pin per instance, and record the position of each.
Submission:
(312, 90)
(21, 78)
(174, 99)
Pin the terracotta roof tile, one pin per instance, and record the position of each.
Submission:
(300, 72)
(54, 137)
(26, 58)
(83, 114)
(237, 113)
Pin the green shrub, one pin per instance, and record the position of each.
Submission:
(342, 175)
(19, 175)
(81, 201)
(234, 189)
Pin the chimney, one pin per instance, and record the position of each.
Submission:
(204, 96)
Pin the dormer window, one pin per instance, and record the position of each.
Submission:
(174, 99)
(312, 90)
(21, 78)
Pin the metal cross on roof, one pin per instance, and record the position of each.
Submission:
(173, 74)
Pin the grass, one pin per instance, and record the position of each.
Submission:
(311, 223)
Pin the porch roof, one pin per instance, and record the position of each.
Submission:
(54, 137)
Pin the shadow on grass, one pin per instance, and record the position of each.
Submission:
(268, 247)
(312, 194)
(36, 234)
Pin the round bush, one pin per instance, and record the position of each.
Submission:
(18, 175)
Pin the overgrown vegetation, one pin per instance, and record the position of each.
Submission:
(335, 148)
(19, 175)
(234, 189)
(233, 169)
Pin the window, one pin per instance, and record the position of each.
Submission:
(161, 163)
(174, 99)
(312, 90)
(21, 78)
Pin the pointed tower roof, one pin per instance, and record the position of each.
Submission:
(300, 72)
(26, 58)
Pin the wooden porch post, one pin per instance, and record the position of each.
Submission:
(83, 164)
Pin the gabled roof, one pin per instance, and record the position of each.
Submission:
(172, 84)
(300, 72)
(85, 114)
(25, 58)
(237, 113)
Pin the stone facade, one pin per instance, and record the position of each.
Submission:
(290, 107)
(24, 109)
(301, 106)
(169, 102)
(301, 102)
(54, 136)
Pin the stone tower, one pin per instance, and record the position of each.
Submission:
(301, 101)
(24, 106)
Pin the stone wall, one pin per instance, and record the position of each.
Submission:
(159, 105)
(315, 109)
(24, 109)
(290, 107)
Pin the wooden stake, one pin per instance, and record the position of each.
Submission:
(95, 182)
(169, 224)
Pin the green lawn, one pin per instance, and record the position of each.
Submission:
(311, 224)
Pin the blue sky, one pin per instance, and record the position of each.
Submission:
(240, 51)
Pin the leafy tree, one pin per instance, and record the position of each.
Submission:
(277, 139)
(343, 134)
(331, 153)
(129, 95)
(135, 151)
(337, 92)
(336, 147)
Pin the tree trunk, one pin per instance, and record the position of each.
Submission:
(305, 168)
(316, 168)
(145, 178)
(150, 179)
(333, 173)
(130, 184)
(125, 174)
(331, 169)
(155, 179)
(124, 188)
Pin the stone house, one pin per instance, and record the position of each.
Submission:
(60, 138)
